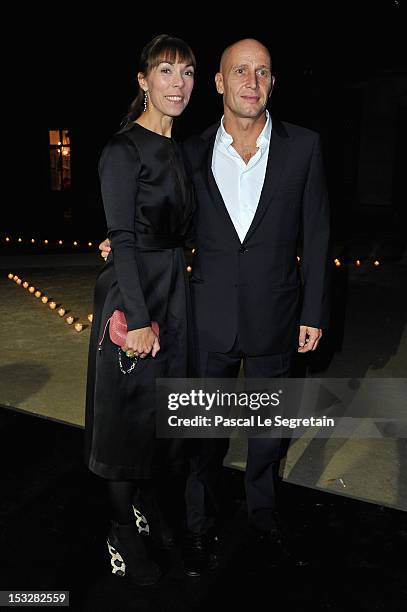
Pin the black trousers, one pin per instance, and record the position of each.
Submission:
(263, 456)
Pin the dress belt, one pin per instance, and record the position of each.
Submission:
(158, 241)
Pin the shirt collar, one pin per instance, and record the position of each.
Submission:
(265, 135)
(263, 138)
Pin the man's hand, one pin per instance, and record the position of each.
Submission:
(104, 248)
(142, 341)
(308, 338)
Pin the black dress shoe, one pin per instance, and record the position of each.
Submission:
(273, 546)
(270, 536)
(199, 552)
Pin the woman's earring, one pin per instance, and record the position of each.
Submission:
(145, 100)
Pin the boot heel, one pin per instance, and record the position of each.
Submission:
(116, 561)
(141, 522)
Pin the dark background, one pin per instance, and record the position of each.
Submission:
(330, 61)
(341, 69)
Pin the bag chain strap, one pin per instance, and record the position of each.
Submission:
(133, 365)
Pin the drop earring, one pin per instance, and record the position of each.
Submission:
(145, 100)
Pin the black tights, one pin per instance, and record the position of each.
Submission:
(121, 494)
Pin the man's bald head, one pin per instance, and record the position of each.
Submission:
(246, 45)
(245, 79)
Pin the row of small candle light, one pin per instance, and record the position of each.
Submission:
(358, 263)
(46, 242)
(337, 262)
(51, 303)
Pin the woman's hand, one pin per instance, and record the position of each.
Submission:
(143, 342)
(104, 248)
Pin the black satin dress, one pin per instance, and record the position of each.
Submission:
(148, 205)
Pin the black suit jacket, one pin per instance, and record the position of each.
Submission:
(253, 289)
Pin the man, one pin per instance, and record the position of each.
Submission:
(260, 186)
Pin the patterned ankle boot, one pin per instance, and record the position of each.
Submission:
(128, 555)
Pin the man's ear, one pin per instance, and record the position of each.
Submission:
(142, 81)
(273, 80)
(219, 83)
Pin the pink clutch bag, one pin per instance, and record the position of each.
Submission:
(118, 328)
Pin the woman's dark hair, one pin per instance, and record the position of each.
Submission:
(162, 48)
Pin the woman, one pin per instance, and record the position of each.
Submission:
(148, 207)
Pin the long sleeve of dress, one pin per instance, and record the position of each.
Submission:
(119, 168)
(190, 235)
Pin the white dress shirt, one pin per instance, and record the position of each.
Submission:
(239, 183)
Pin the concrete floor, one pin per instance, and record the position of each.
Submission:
(43, 359)
(43, 364)
(345, 554)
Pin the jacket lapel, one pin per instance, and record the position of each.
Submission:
(209, 137)
(278, 151)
